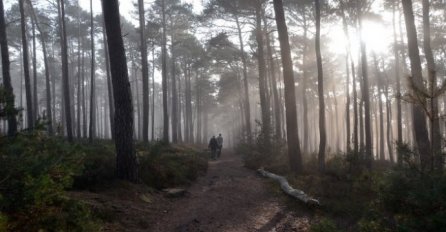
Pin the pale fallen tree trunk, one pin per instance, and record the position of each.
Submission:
(288, 189)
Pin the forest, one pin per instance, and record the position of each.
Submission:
(223, 115)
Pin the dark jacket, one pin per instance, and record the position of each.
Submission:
(213, 144)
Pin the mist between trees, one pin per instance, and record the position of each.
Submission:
(324, 76)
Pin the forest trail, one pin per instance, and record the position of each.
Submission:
(230, 198)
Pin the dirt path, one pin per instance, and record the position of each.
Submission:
(229, 198)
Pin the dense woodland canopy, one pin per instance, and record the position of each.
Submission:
(366, 75)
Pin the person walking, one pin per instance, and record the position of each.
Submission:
(213, 145)
(220, 145)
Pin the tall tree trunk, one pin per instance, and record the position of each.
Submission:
(84, 99)
(29, 103)
(137, 101)
(92, 128)
(180, 111)
(305, 139)
(380, 80)
(245, 81)
(164, 75)
(126, 165)
(389, 120)
(399, 120)
(65, 78)
(366, 99)
(34, 60)
(10, 108)
(336, 118)
(264, 102)
(145, 73)
(78, 94)
(111, 107)
(53, 91)
(188, 95)
(272, 71)
(355, 109)
(437, 160)
(79, 67)
(348, 56)
(153, 92)
(320, 89)
(198, 107)
(418, 118)
(294, 153)
(174, 89)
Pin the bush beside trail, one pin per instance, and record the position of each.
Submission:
(38, 171)
(35, 172)
(391, 197)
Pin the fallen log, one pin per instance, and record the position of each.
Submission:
(288, 189)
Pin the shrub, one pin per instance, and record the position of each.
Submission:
(35, 171)
(3, 222)
(168, 166)
(416, 200)
(408, 199)
(324, 225)
(255, 155)
(99, 165)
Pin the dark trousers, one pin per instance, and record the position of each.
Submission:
(219, 151)
(213, 153)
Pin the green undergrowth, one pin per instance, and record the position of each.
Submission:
(37, 172)
(163, 166)
(391, 197)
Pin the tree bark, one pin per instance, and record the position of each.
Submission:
(145, 73)
(92, 127)
(272, 71)
(380, 80)
(366, 100)
(320, 88)
(173, 83)
(34, 61)
(389, 120)
(264, 102)
(434, 117)
(10, 108)
(84, 101)
(418, 118)
(29, 103)
(65, 78)
(245, 82)
(188, 98)
(399, 116)
(111, 107)
(126, 164)
(348, 56)
(79, 67)
(164, 75)
(153, 92)
(294, 152)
